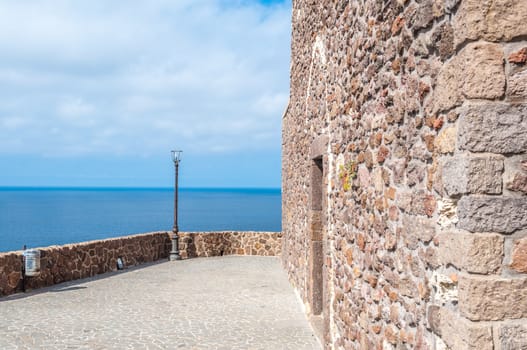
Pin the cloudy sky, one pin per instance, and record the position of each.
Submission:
(97, 93)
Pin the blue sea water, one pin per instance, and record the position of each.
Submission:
(49, 216)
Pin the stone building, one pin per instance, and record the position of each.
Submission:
(405, 172)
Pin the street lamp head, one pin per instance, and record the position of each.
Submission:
(176, 156)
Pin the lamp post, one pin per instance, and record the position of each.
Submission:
(174, 253)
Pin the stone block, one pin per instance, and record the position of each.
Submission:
(492, 214)
(483, 71)
(494, 127)
(519, 255)
(512, 336)
(461, 334)
(417, 228)
(447, 93)
(443, 39)
(518, 183)
(415, 173)
(13, 279)
(475, 253)
(423, 15)
(517, 86)
(499, 20)
(445, 142)
(477, 72)
(492, 298)
(519, 57)
(463, 174)
(484, 175)
(418, 202)
(454, 176)
(433, 318)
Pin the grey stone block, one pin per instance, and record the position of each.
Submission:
(477, 175)
(494, 127)
(513, 336)
(492, 214)
(454, 177)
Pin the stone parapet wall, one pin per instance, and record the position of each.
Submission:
(81, 260)
(416, 110)
(203, 244)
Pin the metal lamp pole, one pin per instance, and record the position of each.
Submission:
(174, 253)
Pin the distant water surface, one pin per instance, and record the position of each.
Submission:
(49, 216)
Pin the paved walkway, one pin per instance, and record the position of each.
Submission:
(209, 303)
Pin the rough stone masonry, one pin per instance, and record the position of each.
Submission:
(86, 259)
(405, 172)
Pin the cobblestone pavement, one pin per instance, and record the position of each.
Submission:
(209, 303)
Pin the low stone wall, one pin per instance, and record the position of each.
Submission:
(81, 260)
(202, 244)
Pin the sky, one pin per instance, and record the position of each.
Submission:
(96, 93)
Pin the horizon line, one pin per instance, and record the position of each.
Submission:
(132, 188)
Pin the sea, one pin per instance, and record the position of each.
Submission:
(40, 217)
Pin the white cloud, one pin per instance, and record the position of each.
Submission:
(140, 77)
(76, 111)
(13, 123)
(271, 105)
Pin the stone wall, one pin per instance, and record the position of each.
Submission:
(416, 113)
(205, 244)
(81, 260)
